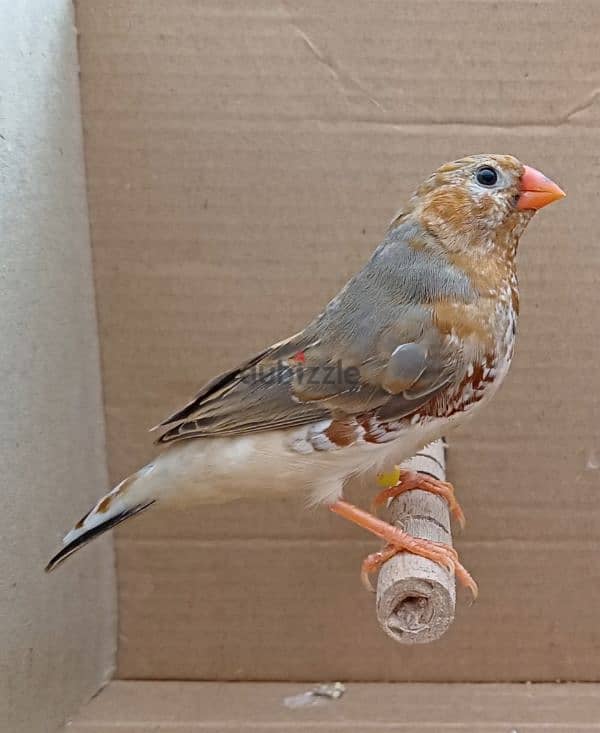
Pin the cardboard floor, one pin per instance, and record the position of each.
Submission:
(212, 707)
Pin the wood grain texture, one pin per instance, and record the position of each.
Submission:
(415, 596)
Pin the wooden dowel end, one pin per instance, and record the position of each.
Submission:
(416, 597)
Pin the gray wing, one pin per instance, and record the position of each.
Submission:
(302, 386)
(371, 351)
(288, 395)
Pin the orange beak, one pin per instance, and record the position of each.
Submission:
(537, 190)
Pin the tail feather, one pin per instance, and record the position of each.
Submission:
(90, 534)
(130, 497)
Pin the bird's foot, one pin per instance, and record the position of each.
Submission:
(410, 480)
(399, 541)
(437, 552)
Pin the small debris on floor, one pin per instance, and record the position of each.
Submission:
(317, 696)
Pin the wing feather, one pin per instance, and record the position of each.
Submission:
(374, 349)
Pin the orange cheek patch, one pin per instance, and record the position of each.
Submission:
(452, 206)
(485, 207)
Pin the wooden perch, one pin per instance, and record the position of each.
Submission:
(415, 596)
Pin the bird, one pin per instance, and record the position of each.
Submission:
(411, 347)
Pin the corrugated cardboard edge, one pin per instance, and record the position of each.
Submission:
(57, 632)
(188, 707)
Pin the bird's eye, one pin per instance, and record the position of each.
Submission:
(487, 176)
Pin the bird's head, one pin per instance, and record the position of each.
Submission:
(480, 205)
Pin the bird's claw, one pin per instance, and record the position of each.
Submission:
(443, 555)
(410, 480)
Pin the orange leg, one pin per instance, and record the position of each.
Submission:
(410, 480)
(399, 541)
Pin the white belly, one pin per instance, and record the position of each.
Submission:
(268, 464)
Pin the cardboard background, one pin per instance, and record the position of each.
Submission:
(57, 632)
(243, 160)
